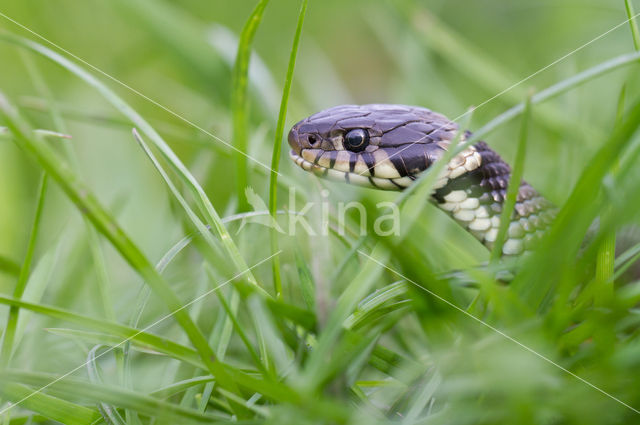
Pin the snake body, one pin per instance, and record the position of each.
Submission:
(387, 146)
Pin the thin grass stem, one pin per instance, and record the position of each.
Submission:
(277, 149)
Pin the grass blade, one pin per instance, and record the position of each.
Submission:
(631, 14)
(108, 411)
(178, 387)
(51, 407)
(605, 266)
(277, 148)
(12, 320)
(111, 340)
(239, 104)
(240, 330)
(514, 183)
(605, 258)
(373, 302)
(626, 260)
(307, 285)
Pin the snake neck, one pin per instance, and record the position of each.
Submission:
(473, 191)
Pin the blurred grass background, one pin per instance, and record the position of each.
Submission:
(443, 55)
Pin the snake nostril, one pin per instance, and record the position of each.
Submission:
(312, 140)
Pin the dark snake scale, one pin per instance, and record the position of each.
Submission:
(388, 146)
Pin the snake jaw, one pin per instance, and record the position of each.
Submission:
(354, 178)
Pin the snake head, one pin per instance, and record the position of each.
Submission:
(377, 145)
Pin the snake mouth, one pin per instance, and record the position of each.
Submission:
(378, 172)
(307, 159)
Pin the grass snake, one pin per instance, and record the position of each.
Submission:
(387, 146)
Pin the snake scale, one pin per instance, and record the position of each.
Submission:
(387, 146)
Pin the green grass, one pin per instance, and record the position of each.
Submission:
(25, 270)
(517, 170)
(633, 24)
(415, 328)
(239, 101)
(277, 148)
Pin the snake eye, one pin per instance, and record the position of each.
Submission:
(356, 140)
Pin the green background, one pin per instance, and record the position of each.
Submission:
(444, 55)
